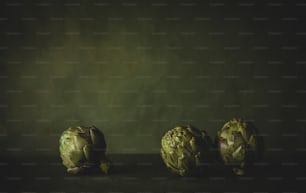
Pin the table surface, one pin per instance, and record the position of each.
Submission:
(146, 173)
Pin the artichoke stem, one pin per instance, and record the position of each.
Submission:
(104, 166)
(75, 170)
(238, 171)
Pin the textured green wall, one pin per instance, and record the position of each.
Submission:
(136, 69)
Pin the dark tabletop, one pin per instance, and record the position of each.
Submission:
(146, 173)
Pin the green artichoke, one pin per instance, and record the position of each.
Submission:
(184, 149)
(83, 149)
(237, 144)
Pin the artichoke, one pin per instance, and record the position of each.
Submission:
(183, 150)
(237, 144)
(83, 149)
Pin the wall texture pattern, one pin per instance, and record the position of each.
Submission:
(135, 69)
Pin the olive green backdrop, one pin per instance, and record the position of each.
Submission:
(136, 69)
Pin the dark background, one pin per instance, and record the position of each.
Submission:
(135, 69)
